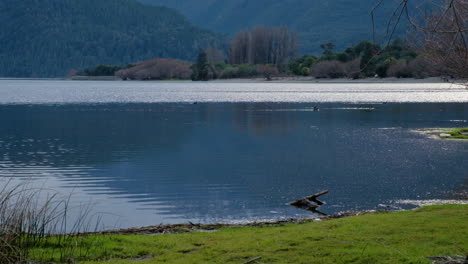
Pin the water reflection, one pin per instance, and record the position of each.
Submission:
(153, 163)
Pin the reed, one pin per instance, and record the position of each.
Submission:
(32, 218)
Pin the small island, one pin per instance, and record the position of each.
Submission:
(446, 133)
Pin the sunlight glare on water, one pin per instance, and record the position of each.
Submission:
(47, 91)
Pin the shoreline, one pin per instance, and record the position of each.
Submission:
(199, 227)
(408, 236)
(299, 79)
(285, 79)
(192, 227)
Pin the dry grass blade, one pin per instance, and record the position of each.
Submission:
(33, 217)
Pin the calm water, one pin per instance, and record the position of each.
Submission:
(146, 162)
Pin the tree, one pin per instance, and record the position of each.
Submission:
(327, 50)
(201, 69)
(261, 45)
(445, 39)
(214, 55)
(368, 52)
(444, 32)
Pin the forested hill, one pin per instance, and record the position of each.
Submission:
(344, 22)
(47, 38)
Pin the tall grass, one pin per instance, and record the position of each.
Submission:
(36, 218)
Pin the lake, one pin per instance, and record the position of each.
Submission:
(143, 153)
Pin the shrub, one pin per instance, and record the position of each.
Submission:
(103, 70)
(157, 69)
(267, 71)
(421, 67)
(382, 67)
(352, 68)
(301, 65)
(328, 69)
(399, 69)
(238, 71)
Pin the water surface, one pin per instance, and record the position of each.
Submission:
(47, 91)
(148, 163)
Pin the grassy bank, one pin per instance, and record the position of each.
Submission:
(458, 133)
(446, 133)
(398, 237)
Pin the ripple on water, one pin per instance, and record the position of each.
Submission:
(172, 163)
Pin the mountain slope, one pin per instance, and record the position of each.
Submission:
(46, 38)
(344, 22)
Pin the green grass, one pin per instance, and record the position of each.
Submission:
(398, 237)
(457, 133)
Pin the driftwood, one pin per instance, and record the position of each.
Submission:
(449, 259)
(310, 203)
(191, 227)
(253, 260)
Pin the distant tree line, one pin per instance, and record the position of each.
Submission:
(102, 70)
(157, 69)
(269, 51)
(366, 59)
(203, 70)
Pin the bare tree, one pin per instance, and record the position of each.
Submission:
(443, 27)
(214, 55)
(445, 39)
(261, 45)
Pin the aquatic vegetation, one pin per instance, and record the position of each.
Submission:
(460, 133)
(446, 133)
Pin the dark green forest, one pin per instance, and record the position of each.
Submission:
(48, 38)
(343, 22)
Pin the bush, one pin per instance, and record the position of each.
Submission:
(301, 66)
(157, 69)
(103, 70)
(238, 71)
(328, 69)
(267, 71)
(421, 67)
(352, 68)
(382, 67)
(399, 69)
